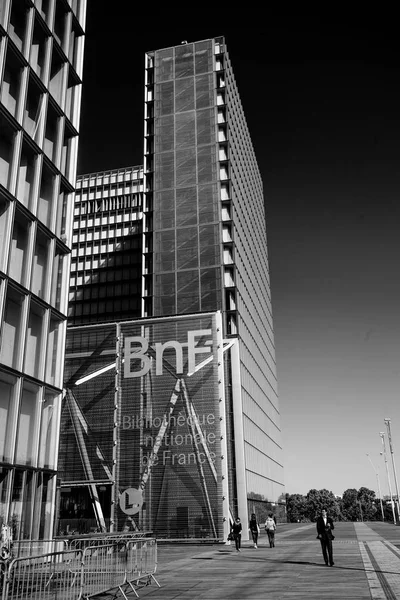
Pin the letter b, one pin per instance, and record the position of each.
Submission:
(135, 353)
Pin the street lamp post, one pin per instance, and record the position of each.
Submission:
(382, 434)
(379, 487)
(387, 423)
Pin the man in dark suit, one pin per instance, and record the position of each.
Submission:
(325, 535)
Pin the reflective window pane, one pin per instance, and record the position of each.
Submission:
(26, 176)
(56, 76)
(46, 192)
(19, 248)
(7, 404)
(38, 49)
(40, 264)
(18, 23)
(7, 135)
(70, 108)
(188, 299)
(58, 280)
(51, 133)
(5, 484)
(60, 23)
(4, 218)
(34, 338)
(17, 497)
(165, 64)
(11, 82)
(43, 7)
(187, 252)
(34, 111)
(26, 432)
(53, 352)
(184, 64)
(27, 503)
(203, 57)
(210, 282)
(184, 94)
(11, 329)
(48, 432)
(61, 216)
(66, 153)
(186, 206)
(44, 499)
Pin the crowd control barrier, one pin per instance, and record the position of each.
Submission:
(26, 548)
(44, 577)
(81, 573)
(82, 542)
(122, 565)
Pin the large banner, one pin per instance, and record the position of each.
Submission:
(170, 423)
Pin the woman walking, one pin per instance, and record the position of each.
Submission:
(254, 529)
(270, 527)
(237, 533)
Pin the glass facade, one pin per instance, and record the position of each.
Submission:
(146, 410)
(181, 157)
(36, 108)
(206, 246)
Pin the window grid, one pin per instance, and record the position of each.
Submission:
(41, 57)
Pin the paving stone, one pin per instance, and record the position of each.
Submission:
(367, 566)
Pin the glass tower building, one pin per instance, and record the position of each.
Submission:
(205, 241)
(41, 57)
(171, 417)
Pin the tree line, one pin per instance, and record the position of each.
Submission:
(355, 505)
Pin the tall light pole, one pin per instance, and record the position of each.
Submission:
(387, 423)
(382, 434)
(379, 487)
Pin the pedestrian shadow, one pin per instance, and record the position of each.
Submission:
(318, 564)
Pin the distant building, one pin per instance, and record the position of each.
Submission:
(171, 418)
(106, 265)
(41, 56)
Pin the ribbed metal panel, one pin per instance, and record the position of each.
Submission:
(143, 415)
(169, 429)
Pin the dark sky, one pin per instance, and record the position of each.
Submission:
(322, 105)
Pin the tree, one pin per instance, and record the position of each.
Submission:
(359, 505)
(349, 508)
(316, 500)
(366, 500)
(295, 507)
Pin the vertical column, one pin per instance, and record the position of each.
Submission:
(148, 172)
(223, 427)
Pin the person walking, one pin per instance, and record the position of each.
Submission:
(270, 528)
(325, 536)
(237, 533)
(254, 529)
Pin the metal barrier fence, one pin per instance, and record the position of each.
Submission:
(51, 576)
(119, 565)
(77, 574)
(104, 568)
(25, 548)
(82, 542)
(142, 563)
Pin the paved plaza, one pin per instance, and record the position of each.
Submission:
(366, 556)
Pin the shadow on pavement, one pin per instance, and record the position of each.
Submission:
(318, 564)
